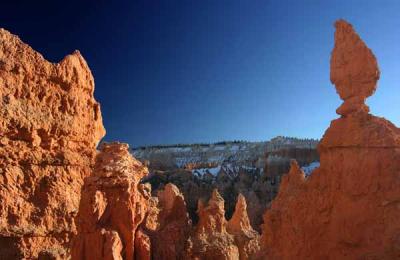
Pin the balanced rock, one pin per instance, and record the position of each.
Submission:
(349, 207)
(354, 69)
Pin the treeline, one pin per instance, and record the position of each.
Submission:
(275, 139)
(163, 146)
(294, 139)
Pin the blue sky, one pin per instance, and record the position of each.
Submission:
(203, 71)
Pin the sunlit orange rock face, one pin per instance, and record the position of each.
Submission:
(50, 125)
(113, 205)
(349, 207)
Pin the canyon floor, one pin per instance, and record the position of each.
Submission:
(64, 196)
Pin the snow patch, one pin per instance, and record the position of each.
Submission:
(308, 169)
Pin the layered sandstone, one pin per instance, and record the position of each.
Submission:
(349, 207)
(113, 205)
(50, 125)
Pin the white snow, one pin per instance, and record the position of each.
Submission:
(308, 169)
(201, 171)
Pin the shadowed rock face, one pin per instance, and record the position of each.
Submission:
(215, 238)
(50, 125)
(349, 207)
(166, 227)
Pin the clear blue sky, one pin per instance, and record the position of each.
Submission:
(203, 71)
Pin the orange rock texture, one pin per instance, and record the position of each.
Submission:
(215, 238)
(246, 238)
(112, 206)
(118, 218)
(50, 125)
(349, 207)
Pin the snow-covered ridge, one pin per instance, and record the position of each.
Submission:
(245, 154)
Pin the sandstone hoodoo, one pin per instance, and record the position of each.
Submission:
(113, 205)
(349, 207)
(246, 238)
(172, 225)
(50, 125)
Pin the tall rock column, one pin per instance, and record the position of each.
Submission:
(50, 125)
(174, 225)
(246, 238)
(349, 207)
(113, 205)
(210, 239)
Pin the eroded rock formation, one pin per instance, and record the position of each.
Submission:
(349, 207)
(166, 227)
(174, 225)
(216, 238)
(210, 239)
(113, 205)
(246, 238)
(50, 125)
(251, 169)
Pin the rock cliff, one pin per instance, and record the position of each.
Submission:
(349, 207)
(50, 125)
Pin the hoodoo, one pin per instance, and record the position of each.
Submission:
(113, 205)
(349, 207)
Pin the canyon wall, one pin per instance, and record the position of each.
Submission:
(50, 125)
(349, 207)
